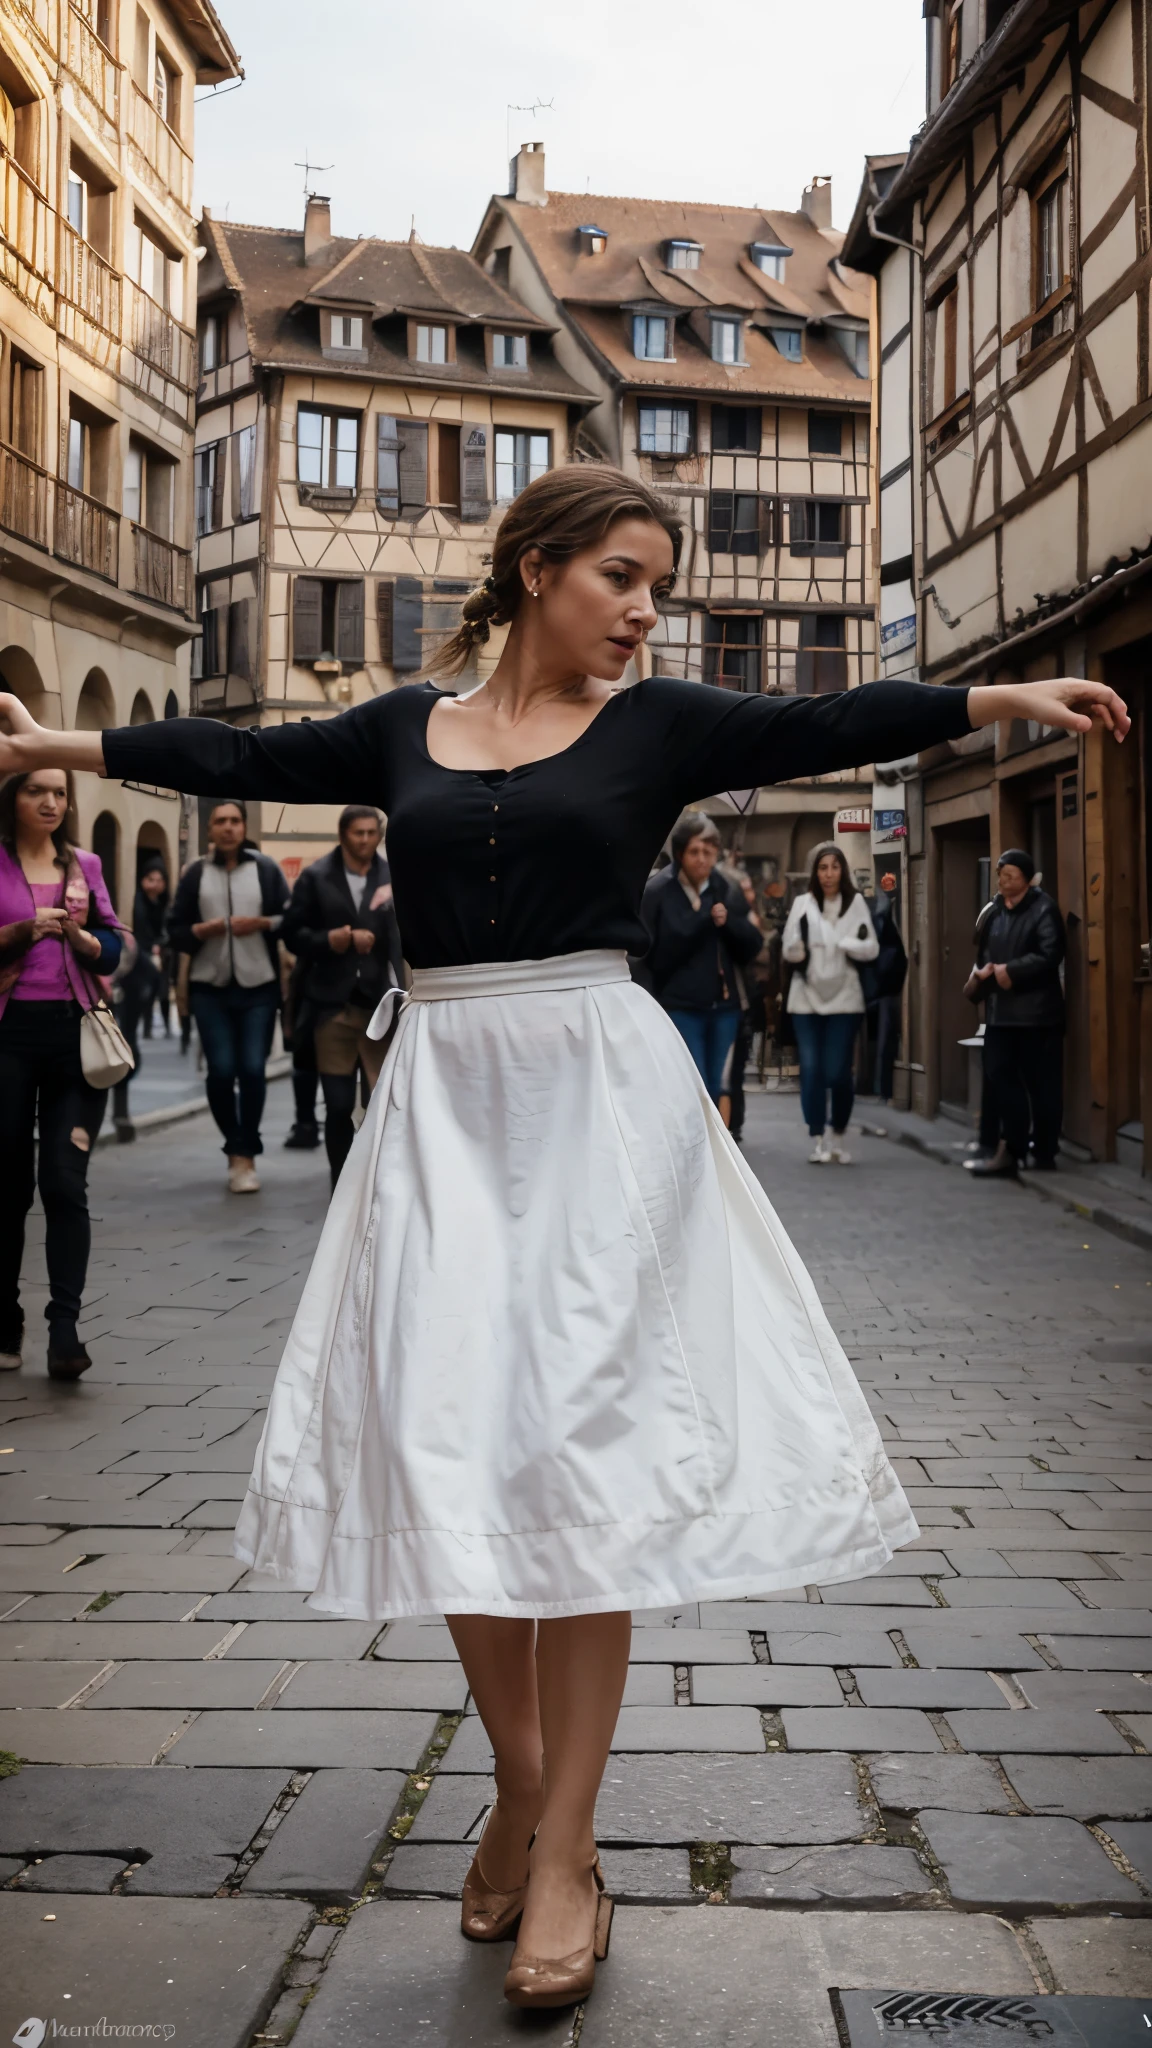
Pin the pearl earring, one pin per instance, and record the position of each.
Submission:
(536, 590)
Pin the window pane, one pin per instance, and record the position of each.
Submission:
(76, 202)
(133, 480)
(346, 439)
(76, 454)
(828, 522)
(208, 338)
(505, 465)
(665, 430)
(537, 456)
(309, 427)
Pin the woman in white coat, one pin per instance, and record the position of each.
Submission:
(829, 931)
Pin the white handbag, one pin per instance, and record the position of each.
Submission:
(105, 1054)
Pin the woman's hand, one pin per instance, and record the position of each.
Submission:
(24, 745)
(1068, 703)
(48, 924)
(83, 943)
(719, 914)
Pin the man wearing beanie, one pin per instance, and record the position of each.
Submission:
(1020, 945)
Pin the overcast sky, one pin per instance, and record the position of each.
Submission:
(676, 99)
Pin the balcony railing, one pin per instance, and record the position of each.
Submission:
(156, 142)
(23, 497)
(160, 570)
(87, 533)
(43, 15)
(85, 280)
(158, 339)
(27, 222)
(91, 63)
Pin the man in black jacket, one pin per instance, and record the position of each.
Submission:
(701, 939)
(1020, 945)
(342, 928)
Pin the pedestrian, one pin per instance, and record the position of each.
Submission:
(699, 938)
(883, 983)
(149, 928)
(140, 980)
(828, 935)
(1019, 951)
(228, 910)
(342, 928)
(58, 933)
(556, 1358)
(304, 1132)
(750, 983)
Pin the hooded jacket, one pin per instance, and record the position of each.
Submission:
(1028, 939)
(695, 964)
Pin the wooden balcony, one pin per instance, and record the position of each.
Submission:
(89, 61)
(41, 16)
(161, 570)
(87, 532)
(23, 497)
(161, 148)
(27, 237)
(86, 281)
(159, 340)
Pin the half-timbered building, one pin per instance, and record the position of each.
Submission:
(1011, 252)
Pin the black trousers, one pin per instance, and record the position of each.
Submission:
(41, 1079)
(1024, 1067)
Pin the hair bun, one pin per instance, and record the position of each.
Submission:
(479, 610)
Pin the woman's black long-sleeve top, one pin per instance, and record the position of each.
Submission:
(551, 857)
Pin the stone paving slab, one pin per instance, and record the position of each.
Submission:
(689, 1646)
(1118, 1691)
(862, 1875)
(441, 1687)
(765, 1685)
(185, 1685)
(416, 1642)
(46, 1641)
(1024, 1866)
(1048, 1731)
(306, 1741)
(858, 1728)
(1088, 1955)
(189, 1828)
(653, 1877)
(958, 1784)
(72, 1874)
(814, 1645)
(325, 1844)
(708, 1730)
(1092, 1788)
(42, 1735)
(43, 1685)
(305, 1639)
(936, 1690)
(208, 1968)
(454, 1810)
(780, 1798)
(674, 1975)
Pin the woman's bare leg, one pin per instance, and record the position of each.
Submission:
(499, 1662)
(581, 1667)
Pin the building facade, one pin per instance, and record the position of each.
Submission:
(97, 378)
(366, 411)
(728, 353)
(1011, 253)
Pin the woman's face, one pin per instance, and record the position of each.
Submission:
(42, 802)
(828, 874)
(599, 607)
(153, 883)
(698, 860)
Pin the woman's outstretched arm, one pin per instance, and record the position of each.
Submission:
(329, 760)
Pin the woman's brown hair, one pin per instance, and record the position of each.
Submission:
(560, 514)
(63, 838)
(847, 886)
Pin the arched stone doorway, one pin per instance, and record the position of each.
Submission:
(95, 710)
(20, 675)
(106, 845)
(141, 712)
(151, 840)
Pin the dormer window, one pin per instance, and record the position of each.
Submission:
(770, 257)
(345, 331)
(853, 342)
(682, 255)
(509, 351)
(593, 240)
(431, 344)
(727, 341)
(790, 342)
(651, 338)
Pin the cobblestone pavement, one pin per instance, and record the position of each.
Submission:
(939, 1779)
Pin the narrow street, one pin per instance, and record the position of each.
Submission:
(231, 1813)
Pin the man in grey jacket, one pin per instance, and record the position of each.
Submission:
(227, 913)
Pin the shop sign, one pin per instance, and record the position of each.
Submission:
(857, 820)
(898, 636)
(889, 828)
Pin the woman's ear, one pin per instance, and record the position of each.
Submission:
(531, 569)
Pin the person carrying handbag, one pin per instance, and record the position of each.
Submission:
(828, 936)
(59, 1051)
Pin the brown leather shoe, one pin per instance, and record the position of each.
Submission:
(68, 1360)
(485, 1913)
(542, 1982)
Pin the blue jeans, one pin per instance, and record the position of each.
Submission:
(236, 1026)
(709, 1036)
(825, 1045)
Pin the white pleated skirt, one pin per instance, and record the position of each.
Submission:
(556, 1354)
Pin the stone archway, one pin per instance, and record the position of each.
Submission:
(20, 675)
(106, 845)
(95, 709)
(141, 712)
(152, 839)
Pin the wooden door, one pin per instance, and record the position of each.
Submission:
(961, 849)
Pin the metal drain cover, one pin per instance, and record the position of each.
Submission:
(935, 2019)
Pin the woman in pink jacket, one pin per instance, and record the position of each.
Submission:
(57, 933)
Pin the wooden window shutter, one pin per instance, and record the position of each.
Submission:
(385, 590)
(218, 468)
(209, 649)
(413, 465)
(721, 513)
(387, 465)
(475, 503)
(407, 621)
(350, 623)
(307, 619)
(239, 649)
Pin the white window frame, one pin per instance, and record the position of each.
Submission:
(642, 325)
(530, 456)
(431, 344)
(346, 331)
(727, 333)
(336, 471)
(518, 343)
(669, 431)
(793, 337)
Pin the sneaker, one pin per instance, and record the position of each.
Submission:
(839, 1153)
(819, 1155)
(243, 1180)
(11, 1349)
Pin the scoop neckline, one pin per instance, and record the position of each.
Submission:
(521, 767)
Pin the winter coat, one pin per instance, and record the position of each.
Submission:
(321, 903)
(828, 985)
(1029, 940)
(694, 963)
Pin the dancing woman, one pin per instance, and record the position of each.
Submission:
(556, 1358)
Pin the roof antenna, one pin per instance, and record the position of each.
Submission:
(537, 107)
(306, 167)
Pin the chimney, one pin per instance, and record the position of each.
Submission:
(526, 175)
(317, 226)
(816, 203)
